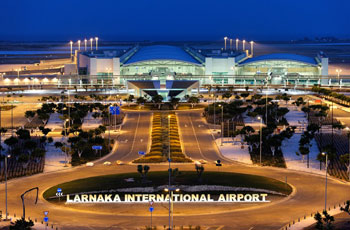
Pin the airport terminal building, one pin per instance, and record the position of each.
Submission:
(169, 69)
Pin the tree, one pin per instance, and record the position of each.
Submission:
(141, 100)
(143, 170)
(130, 99)
(11, 142)
(157, 100)
(226, 95)
(22, 224)
(29, 115)
(244, 95)
(346, 208)
(193, 100)
(325, 222)
(174, 101)
(199, 170)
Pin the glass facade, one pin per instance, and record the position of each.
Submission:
(278, 67)
(162, 67)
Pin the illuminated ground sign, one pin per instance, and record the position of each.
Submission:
(145, 198)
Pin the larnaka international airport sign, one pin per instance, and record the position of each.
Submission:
(145, 198)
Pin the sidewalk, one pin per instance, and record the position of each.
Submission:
(234, 150)
(302, 223)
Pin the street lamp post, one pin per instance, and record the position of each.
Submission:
(259, 118)
(6, 157)
(243, 45)
(65, 134)
(169, 170)
(225, 38)
(96, 39)
(325, 196)
(214, 110)
(171, 190)
(222, 122)
(338, 73)
(71, 49)
(348, 129)
(237, 40)
(91, 40)
(79, 44)
(230, 43)
(85, 42)
(251, 48)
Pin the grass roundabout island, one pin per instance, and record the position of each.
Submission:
(194, 193)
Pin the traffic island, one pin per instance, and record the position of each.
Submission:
(194, 194)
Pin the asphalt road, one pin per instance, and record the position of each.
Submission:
(198, 144)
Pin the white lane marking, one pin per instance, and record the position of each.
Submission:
(195, 135)
(133, 141)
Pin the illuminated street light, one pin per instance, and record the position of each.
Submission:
(79, 44)
(325, 196)
(348, 130)
(222, 122)
(6, 157)
(230, 43)
(85, 41)
(171, 191)
(96, 39)
(243, 45)
(237, 40)
(225, 38)
(91, 40)
(338, 73)
(259, 118)
(251, 48)
(169, 170)
(71, 48)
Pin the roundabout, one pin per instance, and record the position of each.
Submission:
(221, 191)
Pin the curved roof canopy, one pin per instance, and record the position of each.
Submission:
(281, 57)
(161, 52)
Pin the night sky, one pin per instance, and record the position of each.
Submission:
(137, 20)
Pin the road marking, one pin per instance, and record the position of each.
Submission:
(133, 141)
(195, 135)
(220, 227)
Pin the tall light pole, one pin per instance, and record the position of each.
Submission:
(338, 73)
(169, 170)
(325, 196)
(348, 129)
(6, 157)
(66, 141)
(237, 40)
(71, 49)
(85, 42)
(214, 110)
(91, 40)
(243, 45)
(171, 190)
(79, 44)
(230, 43)
(222, 122)
(260, 118)
(251, 48)
(96, 39)
(225, 38)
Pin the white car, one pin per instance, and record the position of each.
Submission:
(107, 163)
(90, 164)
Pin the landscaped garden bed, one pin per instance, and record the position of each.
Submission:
(165, 141)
